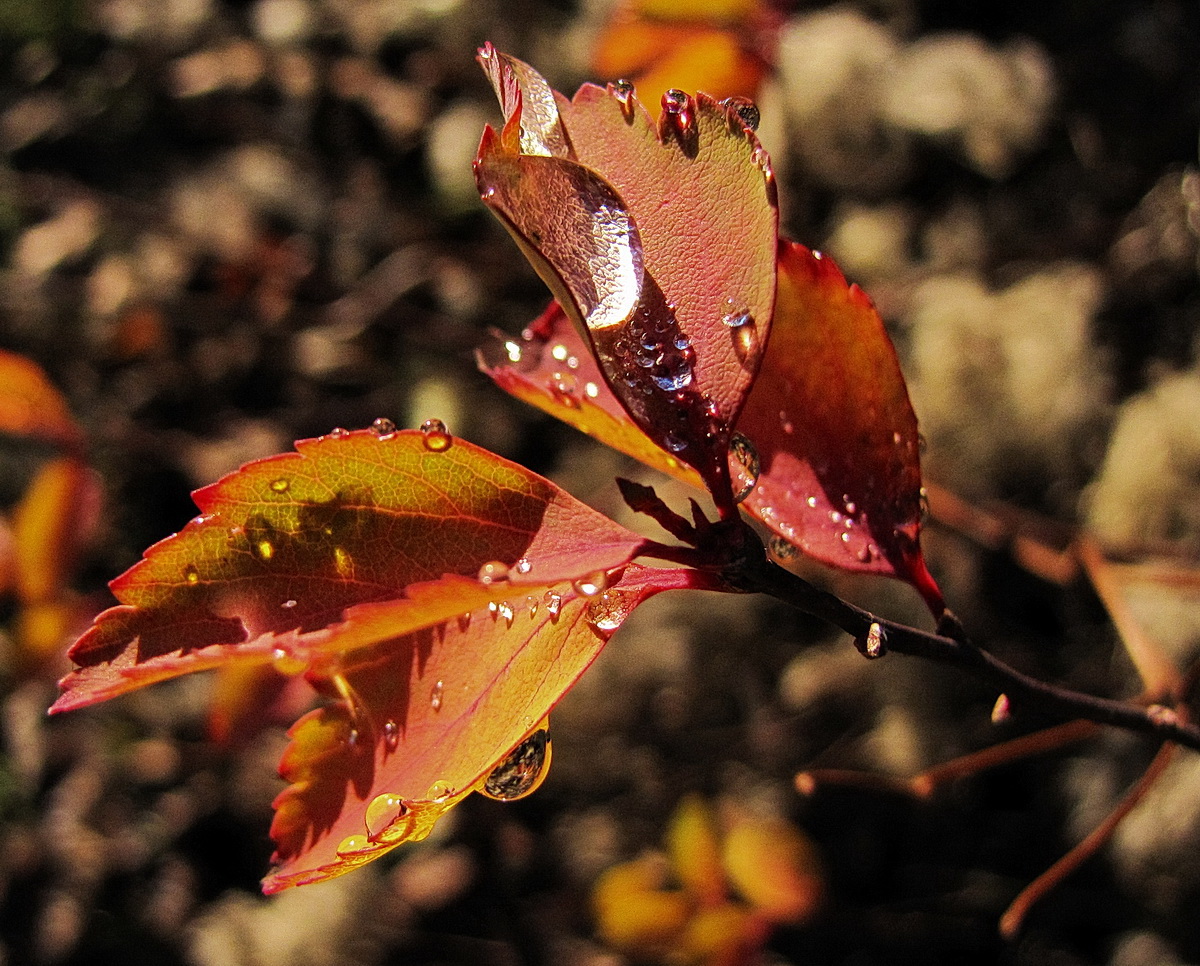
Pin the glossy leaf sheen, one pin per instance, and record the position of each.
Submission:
(651, 236)
(286, 544)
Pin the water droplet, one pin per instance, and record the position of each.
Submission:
(738, 317)
(506, 611)
(439, 792)
(391, 735)
(592, 584)
(672, 378)
(608, 611)
(553, 604)
(353, 843)
(494, 608)
(591, 390)
(435, 695)
(875, 643)
(743, 109)
(559, 353)
(493, 572)
(338, 432)
(744, 467)
(437, 437)
(263, 548)
(674, 101)
(923, 497)
(383, 427)
(679, 111)
(522, 770)
(675, 444)
(866, 553)
(845, 536)
(383, 812)
(835, 517)
(623, 91)
(288, 604)
(812, 502)
(286, 662)
(562, 387)
(851, 506)
(191, 575)
(781, 550)
(280, 485)
(523, 566)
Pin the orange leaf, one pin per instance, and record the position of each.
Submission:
(656, 238)
(443, 598)
(286, 544)
(834, 429)
(31, 406)
(429, 716)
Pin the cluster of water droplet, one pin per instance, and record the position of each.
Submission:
(654, 352)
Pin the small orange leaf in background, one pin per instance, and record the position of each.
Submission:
(714, 898)
(657, 238)
(441, 597)
(54, 517)
(722, 47)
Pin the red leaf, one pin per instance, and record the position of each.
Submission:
(429, 715)
(286, 544)
(658, 240)
(829, 417)
(834, 429)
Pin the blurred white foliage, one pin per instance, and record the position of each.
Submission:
(991, 104)
(857, 95)
(1147, 492)
(1009, 376)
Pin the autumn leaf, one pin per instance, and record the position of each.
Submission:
(835, 431)
(430, 716)
(440, 597)
(285, 545)
(841, 482)
(30, 406)
(657, 238)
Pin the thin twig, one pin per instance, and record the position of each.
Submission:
(757, 574)
(1014, 916)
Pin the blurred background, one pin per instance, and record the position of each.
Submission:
(229, 224)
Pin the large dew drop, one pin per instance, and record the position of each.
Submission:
(383, 812)
(592, 584)
(608, 611)
(522, 770)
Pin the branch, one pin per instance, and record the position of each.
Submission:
(875, 636)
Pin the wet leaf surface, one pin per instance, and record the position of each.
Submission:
(658, 240)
